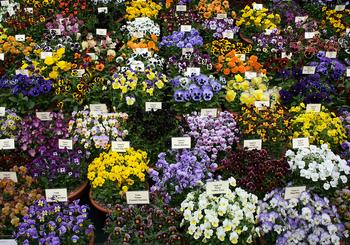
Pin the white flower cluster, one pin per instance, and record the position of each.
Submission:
(9, 9)
(319, 164)
(142, 26)
(229, 216)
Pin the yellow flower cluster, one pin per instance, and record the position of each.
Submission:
(259, 19)
(223, 46)
(336, 18)
(320, 127)
(140, 8)
(122, 169)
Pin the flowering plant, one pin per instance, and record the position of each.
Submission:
(149, 42)
(335, 21)
(255, 170)
(56, 168)
(223, 46)
(36, 136)
(9, 125)
(139, 224)
(94, 131)
(178, 172)
(319, 164)
(214, 135)
(136, 8)
(15, 198)
(308, 219)
(181, 39)
(55, 223)
(210, 8)
(68, 26)
(219, 26)
(228, 218)
(112, 174)
(142, 26)
(342, 202)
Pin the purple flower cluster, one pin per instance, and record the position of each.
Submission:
(59, 168)
(182, 39)
(270, 43)
(68, 26)
(345, 118)
(330, 68)
(36, 136)
(213, 135)
(190, 59)
(195, 88)
(309, 219)
(55, 224)
(190, 168)
(219, 26)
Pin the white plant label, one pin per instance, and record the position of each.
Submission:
(257, 6)
(228, 34)
(309, 35)
(181, 8)
(293, 192)
(65, 144)
(187, 50)
(120, 146)
(44, 55)
(28, 10)
(93, 56)
(261, 103)
(2, 111)
(101, 32)
(181, 142)
(250, 75)
(44, 116)
(5, 3)
(137, 34)
(242, 57)
(301, 19)
(193, 71)
(8, 242)
(221, 16)
(2, 56)
(57, 31)
(217, 187)
(209, 111)
(59, 195)
(103, 10)
(185, 28)
(348, 72)
(268, 32)
(313, 107)
(153, 106)
(79, 72)
(20, 38)
(284, 55)
(309, 70)
(98, 108)
(22, 72)
(9, 175)
(137, 197)
(253, 144)
(339, 7)
(137, 65)
(141, 19)
(331, 54)
(7, 144)
(300, 143)
(141, 50)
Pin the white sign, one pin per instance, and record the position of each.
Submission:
(7, 144)
(98, 108)
(217, 187)
(339, 7)
(228, 34)
(348, 72)
(22, 72)
(241, 56)
(261, 103)
(28, 10)
(8, 242)
(181, 142)
(331, 54)
(137, 65)
(187, 50)
(2, 111)
(141, 50)
(9, 175)
(57, 31)
(268, 32)
(149, 106)
(2, 56)
(44, 116)
(300, 19)
(141, 19)
(250, 75)
(20, 38)
(313, 107)
(137, 34)
(193, 71)
(221, 16)
(185, 28)
(79, 72)
(293, 192)
(102, 10)
(257, 6)
(181, 8)
(137, 197)
(101, 32)
(284, 55)
(309, 35)
(309, 70)
(300, 143)
(65, 144)
(253, 144)
(120, 146)
(44, 55)
(209, 111)
(59, 195)
(93, 56)
(5, 3)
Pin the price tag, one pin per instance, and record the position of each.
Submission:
(141, 50)
(257, 6)
(209, 111)
(65, 144)
(187, 50)
(44, 116)
(9, 175)
(137, 65)
(120, 146)
(241, 56)
(260, 104)
(28, 10)
(300, 143)
(253, 144)
(221, 16)
(57, 31)
(2, 111)
(8, 242)
(293, 192)
(98, 108)
(101, 32)
(181, 142)
(149, 106)
(79, 72)
(228, 34)
(93, 56)
(193, 71)
(20, 38)
(44, 55)
(185, 28)
(5, 3)
(22, 72)
(313, 107)
(339, 7)
(331, 54)
(250, 75)
(217, 187)
(268, 32)
(309, 70)
(137, 34)
(301, 19)
(284, 55)
(2, 56)
(56, 195)
(141, 19)
(348, 72)
(7, 144)
(102, 10)
(137, 197)
(181, 8)
(309, 35)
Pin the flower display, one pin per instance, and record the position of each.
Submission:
(55, 223)
(135, 9)
(9, 125)
(228, 218)
(341, 201)
(220, 27)
(182, 39)
(314, 220)
(143, 26)
(112, 174)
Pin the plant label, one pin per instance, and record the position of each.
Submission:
(253, 144)
(217, 187)
(193, 71)
(221, 16)
(2, 56)
(137, 197)
(149, 106)
(79, 72)
(2, 111)
(339, 7)
(309, 70)
(293, 192)
(20, 38)
(313, 107)
(28, 10)
(57, 31)
(44, 116)
(241, 56)
(59, 195)
(260, 104)
(348, 72)
(185, 28)
(22, 72)
(101, 32)
(300, 143)
(250, 75)
(8, 242)
(284, 55)
(331, 54)
(102, 10)
(120, 146)
(181, 142)
(187, 50)
(7, 144)
(44, 55)
(301, 19)
(65, 144)
(257, 6)
(98, 108)
(9, 175)
(93, 56)
(309, 35)
(209, 111)
(181, 8)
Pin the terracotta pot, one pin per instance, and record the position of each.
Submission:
(97, 205)
(78, 192)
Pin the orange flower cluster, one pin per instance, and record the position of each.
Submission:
(10, 45)
(149, 42)
(212, 8)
